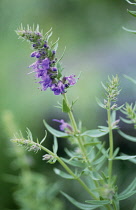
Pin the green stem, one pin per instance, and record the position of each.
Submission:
(68, 170)
(76, 132)
(110, 143)
(72, 119)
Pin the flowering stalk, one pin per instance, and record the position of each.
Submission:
(31, 145)
(78, 137)
(112, 92)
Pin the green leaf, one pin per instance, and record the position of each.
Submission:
(63, 174)
(55, 145)
(73, 102)
(126, 121)
(102, 149)
(128, 30)
(125, 157)
(44, 137)
(55, 45)
(104, 128)
(95, 175)
(132, 13)
(133, 161)
(116, 152)
(94, 133)
(103, 202)
(127, 195)
(54, 131)
(131, 79)
(100, 103)
(81, 205)
(62, 55)
(105, 88)
(29, 134)
(120, 107)
(48, 36)
(113, 116)
(65, 107)
(128, 137)
(74, 162)
(98, 161)
(130, 2)
(69, 153)
(130, 190)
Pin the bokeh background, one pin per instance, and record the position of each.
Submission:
(97, 46)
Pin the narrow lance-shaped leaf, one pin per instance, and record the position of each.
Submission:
(99, 160)
(128, 30)
(44, 137)
(100, 103)
(29, 134)
(125, 157)
(116, 152)
(65, 107)
(132, 13)
(75, 163)
(127, 195)
(81, 205)
(126, 121)
(103, 202)
(130, 2)
(63, 174)
(131, 79)
(113, 116)
(55, 145)
(129, 191)
(55, 45)
(62, 55)
(128, 137)
(54, 131)
(94, 133)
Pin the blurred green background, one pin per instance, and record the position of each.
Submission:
(96, 45)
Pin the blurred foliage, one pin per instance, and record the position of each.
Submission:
(96, 45)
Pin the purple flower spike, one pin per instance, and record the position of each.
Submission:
(64, 126)
(46, 67)
(71, 79)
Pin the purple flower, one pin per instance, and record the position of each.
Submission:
(47, 82)
(45, 63)
(33, 54)
(58, 88)
(41, 67)
(71, 79)
(64, 126)
(38, 55)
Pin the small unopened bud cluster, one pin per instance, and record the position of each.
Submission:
(112, 91)
(28, 144)
(112, 88)
(46, 67)
(130, 111)
(47, 157)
